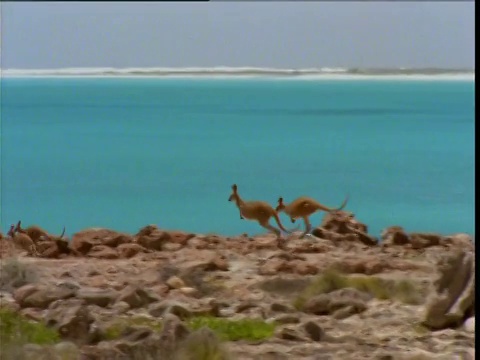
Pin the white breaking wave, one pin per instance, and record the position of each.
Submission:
(223, 71)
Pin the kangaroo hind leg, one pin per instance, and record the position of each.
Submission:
(308, 227)
(273, 229)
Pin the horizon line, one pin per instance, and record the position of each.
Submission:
(222, 67)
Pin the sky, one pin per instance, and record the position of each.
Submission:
(46, 35)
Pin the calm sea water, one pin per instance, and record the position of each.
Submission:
(124, 153)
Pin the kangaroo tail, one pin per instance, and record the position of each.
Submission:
(327, 209)
(343, 204)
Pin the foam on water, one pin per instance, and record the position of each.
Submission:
(324, 73)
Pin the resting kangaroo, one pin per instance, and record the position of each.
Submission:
(259, 211)
(304, 207)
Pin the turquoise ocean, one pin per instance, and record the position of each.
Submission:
(125, 152)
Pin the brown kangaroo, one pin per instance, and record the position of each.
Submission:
(259, 211)
(303, 207)
(23, 241)
(34, 232)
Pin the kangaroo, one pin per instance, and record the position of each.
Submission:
(23, 241)
(303, 207)
(34, 232)
(259, 211)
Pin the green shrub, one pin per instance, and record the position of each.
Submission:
(401, 290)
(16, 329)
(232, 330)
(115, 328)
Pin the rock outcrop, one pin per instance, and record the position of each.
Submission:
(168, 294)
(454, 297)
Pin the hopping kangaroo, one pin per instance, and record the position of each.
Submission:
(259, 211)
(303, 207)
(34, 232)
(22, 241)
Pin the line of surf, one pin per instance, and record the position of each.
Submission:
(309, 73)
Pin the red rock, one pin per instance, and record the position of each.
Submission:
(153, 241)
(126, 251)
(197, 243)
(309, 247)
(367, 266)
(273, 266)
(52, 252)
(103, 252)
(424, 240)
(84, 240)
(303, 268)
(394, 235)
(218, 263)
(171, 247)
(116, 240)
(179, 237)
(463, 241)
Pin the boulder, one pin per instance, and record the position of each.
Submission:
(342, 226)
(127, 251)
(469, 325)
(454, 298)
(424, 240)
(394, 235)
(136, 297)
(175, 282)
(314, 331)
(72, 319)
(99, 297)
(116, 239)
(170, 307)
(290, 333)
(462, 241)
(41, 296)
(84, 240)
(103, 252)
(179, 237)
(342, 222)
(328, 304)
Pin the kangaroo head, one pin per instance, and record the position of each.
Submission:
(234, 192)
(281, 205)
(11, 231)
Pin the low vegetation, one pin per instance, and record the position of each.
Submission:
(232, 330)
(16, 331)
(401, 290)
(225, 329)
(115, 329)
(14, 328)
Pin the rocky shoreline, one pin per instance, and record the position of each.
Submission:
(160, 294)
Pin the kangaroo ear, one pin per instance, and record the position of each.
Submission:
(280, 200)
(234, 187)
